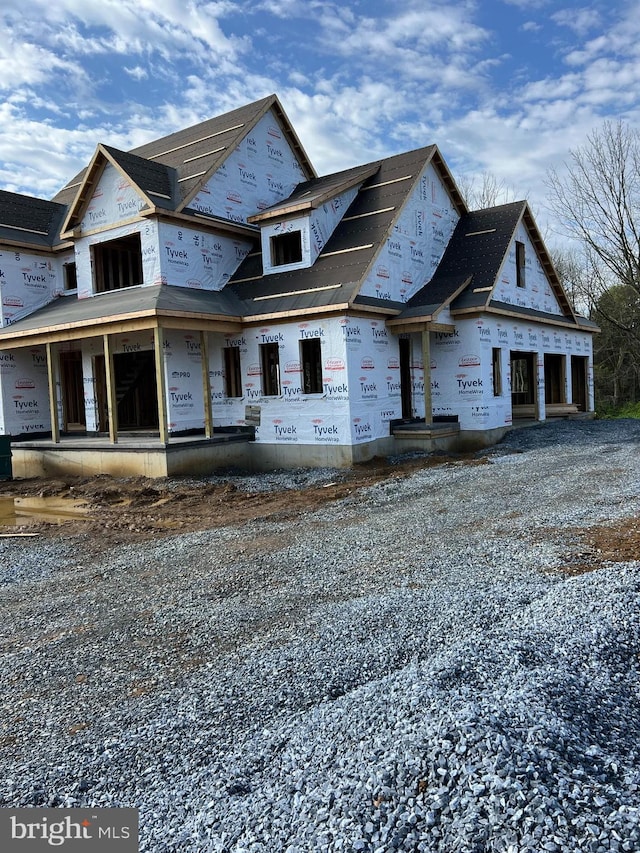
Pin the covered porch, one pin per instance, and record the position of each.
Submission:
(128, 431)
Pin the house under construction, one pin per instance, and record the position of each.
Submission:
(207, 300)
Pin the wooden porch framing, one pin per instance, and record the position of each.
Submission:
(106, 328)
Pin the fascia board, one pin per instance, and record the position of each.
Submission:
(80, 201)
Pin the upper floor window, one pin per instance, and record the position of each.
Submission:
(286, 248)
(118, 263)
(520, 264)
(70, 276)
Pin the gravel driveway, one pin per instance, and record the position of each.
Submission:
(416, 667)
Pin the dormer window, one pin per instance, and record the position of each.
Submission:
(286, 248)
(118, 263)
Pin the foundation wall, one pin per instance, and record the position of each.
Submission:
(29, 462)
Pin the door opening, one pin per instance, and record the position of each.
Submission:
(73, 410)
(554, 378)
(135, 391)
(404, 345)
(523, 384)
(579, 364)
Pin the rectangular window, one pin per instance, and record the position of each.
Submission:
(286, 248)
(496, 364)
(232, 375)
(118, 263)
(270, 365)
(520, 278)
(70, 277)
(311, 366)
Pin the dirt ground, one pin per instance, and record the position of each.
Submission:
(117, 511)
(135, 508)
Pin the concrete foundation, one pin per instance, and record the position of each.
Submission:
(86, 457)
(135, 456)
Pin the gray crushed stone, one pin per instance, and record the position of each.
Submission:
(406, 669)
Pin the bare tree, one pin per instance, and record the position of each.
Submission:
(486, 191)
(584, 279)
(597, 203)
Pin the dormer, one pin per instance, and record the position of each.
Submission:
(294, 231)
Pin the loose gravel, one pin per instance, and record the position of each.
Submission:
(410, 668)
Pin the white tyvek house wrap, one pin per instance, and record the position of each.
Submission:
(190, 258)
(537, 292)
(261, 171)
(461, 366)
(28, 281)
(292, 417)
(89, 349)
(315, 229)
(149, 244)
(25, 392)
(411, 254)
(360, 382)
(182, 369)
(114, 200)
(183, 373)
(324, 219)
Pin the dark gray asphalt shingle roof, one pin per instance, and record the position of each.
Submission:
(201, 148)
(313, 193)
(156, 179)
(476, 251)
(28, 219)
(336, 278)
(157, 298)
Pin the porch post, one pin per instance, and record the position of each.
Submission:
(206, 384)
(161, 385)
(426, 369)
(538, 377)
(112, 403)
(53, 397)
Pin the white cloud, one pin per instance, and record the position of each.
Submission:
(136, 73)
(581, 21)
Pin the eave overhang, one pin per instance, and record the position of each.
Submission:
(121, 324)
(528, 316)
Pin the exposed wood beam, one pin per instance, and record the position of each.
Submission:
(206, 384)
(161, 384)
(426, 372)
(53, 396)
(112, 403)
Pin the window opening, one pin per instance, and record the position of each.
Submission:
(496, 366)
(118, 263)
(520, 260)
(70, 276)
(311, 363)
(286, 248)
(270, 364)
(232, 375)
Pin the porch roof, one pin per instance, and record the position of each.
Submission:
(148, 306)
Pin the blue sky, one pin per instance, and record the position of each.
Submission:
(501, 86)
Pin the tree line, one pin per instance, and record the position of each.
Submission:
(595, 202)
